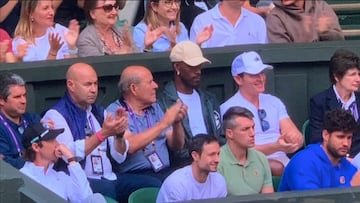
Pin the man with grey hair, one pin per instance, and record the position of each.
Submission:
(150, 131)
(13, 118)
(253, 174)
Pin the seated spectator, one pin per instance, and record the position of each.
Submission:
(198, 180)
(246, 170)
(344, 73)
(324, 165)
(161, 28)
(203, 115)
(101, 37)
(189, 9)
(6, 53)
(275, 133)
(150, 132)
(93, 135)
(13, 118)
(233, 25)
(302, 21)
(9, 15)
(46, 41)
(41, 152)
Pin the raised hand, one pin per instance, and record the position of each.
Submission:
(55, 43)
(323, 23)
(285, 146)
(4, 46)
(171, 34)
(151, 35)
(63, 151)
(175, 113)
(72, 34)
(22, 50)
(205, 34)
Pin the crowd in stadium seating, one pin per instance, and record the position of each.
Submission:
(180, 139)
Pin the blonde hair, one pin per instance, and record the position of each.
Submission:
(151, 17)
(24, 28)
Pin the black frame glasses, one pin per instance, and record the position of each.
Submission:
(265, 125)
(108, 7)
(170, 3)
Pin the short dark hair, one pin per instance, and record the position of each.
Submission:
(340, 62)
(234, 112)
(197, 142)
(339, 120)
(30, 154)
(7, 80)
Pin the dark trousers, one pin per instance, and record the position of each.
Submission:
(125, 184)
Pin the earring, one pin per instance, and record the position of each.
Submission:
(177, 73)
(32, 19)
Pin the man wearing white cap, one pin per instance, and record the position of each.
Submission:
(275, 133)
(203, 115)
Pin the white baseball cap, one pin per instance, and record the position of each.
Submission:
(248, 62)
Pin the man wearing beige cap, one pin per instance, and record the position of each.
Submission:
(203, 115)
(275, 133)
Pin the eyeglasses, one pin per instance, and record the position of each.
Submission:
(169, 3)
(108, 7)
(265, 125)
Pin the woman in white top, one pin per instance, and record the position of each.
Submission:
(46, 40)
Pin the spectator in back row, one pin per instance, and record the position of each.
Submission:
(246, 170)
(101, 36)
(233, 25)
(46, 40)
(344, 73)
(275, 133)
(203, 115)
(324, 165)
(161, 28)
(302, 21)
(198, 180)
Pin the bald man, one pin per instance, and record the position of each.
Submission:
(94, 136)
(150, 131)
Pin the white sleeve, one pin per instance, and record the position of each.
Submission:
(115, 154)
(78, 146)
(79, 189)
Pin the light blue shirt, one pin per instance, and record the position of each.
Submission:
(137, 124)
(162, 44)
(250, 28)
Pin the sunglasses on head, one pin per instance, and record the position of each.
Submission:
(108, 7)
(265, 125)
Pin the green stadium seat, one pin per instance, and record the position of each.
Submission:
(276, 182)
(144, 195)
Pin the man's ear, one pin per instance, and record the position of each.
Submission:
(35, 146)
(229, 133)
(195, 155)
(2, 101)
(70, 84)
(238, 80)
(325, 136)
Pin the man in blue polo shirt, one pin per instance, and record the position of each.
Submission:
(324, 165)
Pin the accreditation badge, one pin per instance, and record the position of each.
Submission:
(155, 161)
(97, 165)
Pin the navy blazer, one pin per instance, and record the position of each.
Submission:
(326, 101)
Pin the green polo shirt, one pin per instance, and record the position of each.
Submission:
(244, 179)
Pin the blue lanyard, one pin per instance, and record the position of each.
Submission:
(132, 116)
(12, 132)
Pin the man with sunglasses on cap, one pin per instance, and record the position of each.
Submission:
(41, 152)
(275, 133)
(203, 115)
(13, 119)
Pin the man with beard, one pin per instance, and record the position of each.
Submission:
(198, 180)
(203, 116)
(324, 165)
(275, 133)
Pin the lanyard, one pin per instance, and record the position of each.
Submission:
(12, 132)
(92, 126)
(132, 116)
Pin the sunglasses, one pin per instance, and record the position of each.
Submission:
(265, 125)
(108, 7)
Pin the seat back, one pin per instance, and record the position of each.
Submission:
(276, 182)
(144, 195)
(306, 132)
